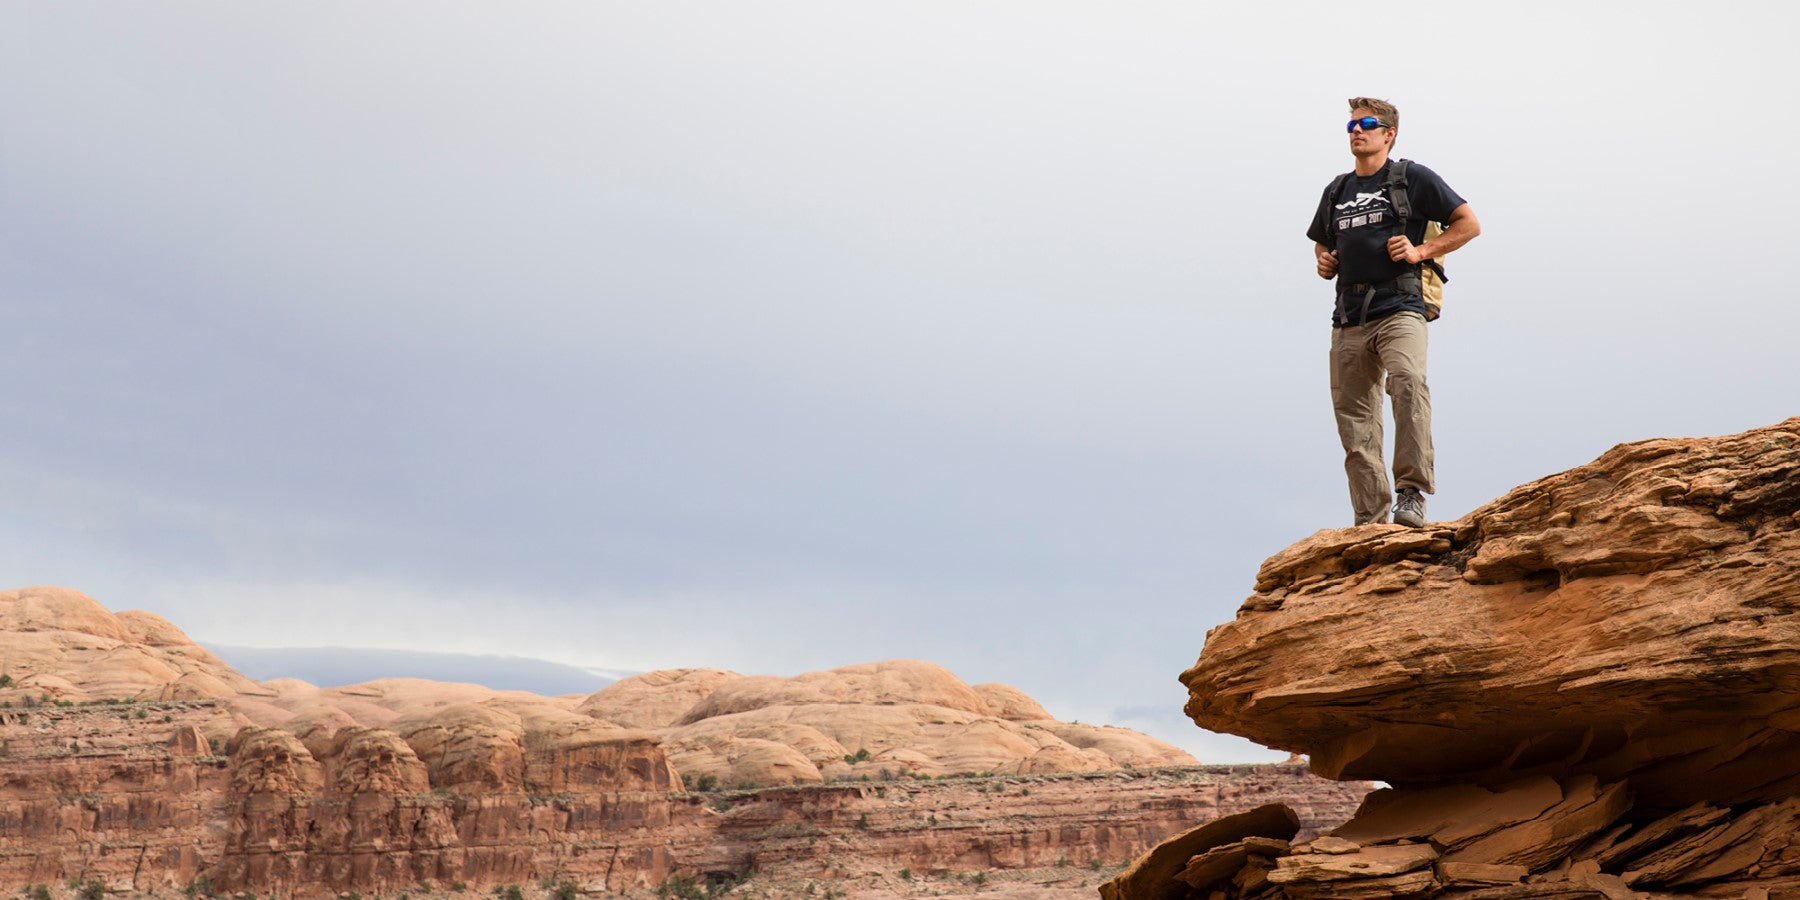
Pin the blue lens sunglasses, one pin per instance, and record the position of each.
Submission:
(1368, 123)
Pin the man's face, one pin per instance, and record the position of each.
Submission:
(1371, 142)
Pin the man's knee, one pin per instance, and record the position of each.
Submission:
(1406, 382)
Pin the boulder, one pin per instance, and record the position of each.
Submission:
(1156, 875)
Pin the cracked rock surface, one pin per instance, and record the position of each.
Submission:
(1588, 688)
(1632, 619)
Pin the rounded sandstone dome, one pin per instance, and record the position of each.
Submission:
(1012, 704)
(895, 681)
(467, 746)
(1122, 746)
(741, 762)
(654, 699)
(58, 609)
(150, 628)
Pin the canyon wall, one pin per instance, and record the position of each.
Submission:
(132, 795)
(134, 759)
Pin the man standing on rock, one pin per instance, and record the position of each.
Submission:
(1370, 234)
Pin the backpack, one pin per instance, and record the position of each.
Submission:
(1430, 273)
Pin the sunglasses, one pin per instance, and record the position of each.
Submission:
(1368, 123)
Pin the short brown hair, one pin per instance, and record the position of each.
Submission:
(1382, 109)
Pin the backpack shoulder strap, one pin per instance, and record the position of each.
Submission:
(1396, 190)
(1329, 207)
(1395, 184)
(1402, 202)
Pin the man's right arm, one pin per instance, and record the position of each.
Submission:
(1319, 231)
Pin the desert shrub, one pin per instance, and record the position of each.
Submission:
(565, 891)
(706, 784)
(684, 888)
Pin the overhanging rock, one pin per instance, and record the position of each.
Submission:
(1632, 619)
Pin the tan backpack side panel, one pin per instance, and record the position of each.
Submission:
(1431, 285)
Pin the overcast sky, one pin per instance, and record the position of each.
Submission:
(783, 336)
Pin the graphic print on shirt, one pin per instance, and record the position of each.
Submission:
(1365, 209)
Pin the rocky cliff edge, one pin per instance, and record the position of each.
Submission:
(1589, 687)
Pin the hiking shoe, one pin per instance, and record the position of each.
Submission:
(1409, 508)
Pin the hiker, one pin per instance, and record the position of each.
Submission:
(1370, 234)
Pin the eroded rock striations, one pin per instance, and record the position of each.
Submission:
(1589, 687)
(132, 757)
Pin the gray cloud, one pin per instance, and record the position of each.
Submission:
(782, 336)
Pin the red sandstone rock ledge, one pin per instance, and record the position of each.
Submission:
(1589, 687)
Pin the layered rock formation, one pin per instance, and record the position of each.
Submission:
(1589, 687)
(902, 716)
(133, 757)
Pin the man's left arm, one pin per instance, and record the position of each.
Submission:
(1461, 229)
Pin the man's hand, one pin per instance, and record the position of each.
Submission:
(1401, 250)
(1327, 262)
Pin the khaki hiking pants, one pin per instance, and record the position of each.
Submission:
(1361, 355)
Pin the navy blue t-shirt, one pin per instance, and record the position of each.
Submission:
(1365, 221)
